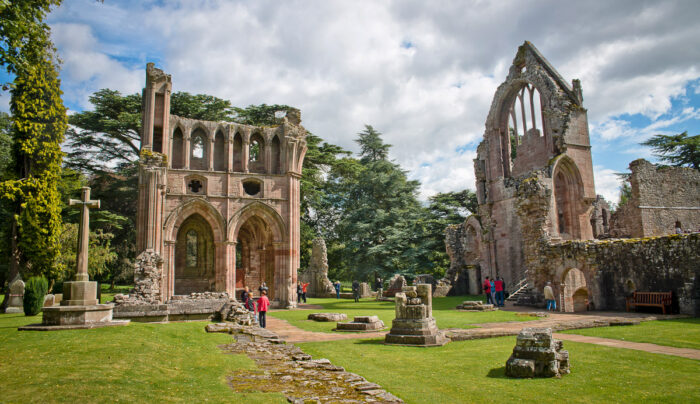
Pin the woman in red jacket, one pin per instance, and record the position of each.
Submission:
(263, 304)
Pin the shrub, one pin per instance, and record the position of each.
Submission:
(34, 293)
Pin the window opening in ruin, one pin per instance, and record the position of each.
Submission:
(195, 186)
(275, 154)
(254, 154)
(251, 188)
(605, 218)
(178, 149)
(237, 153)
(191, 255)
(523, 117)
(198, 147)
(220, 162)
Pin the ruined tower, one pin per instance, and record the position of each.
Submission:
(536, 128)
(219, 201)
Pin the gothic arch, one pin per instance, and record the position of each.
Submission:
(265, 212)
(187, 209)
(568, 198)
(573, 291)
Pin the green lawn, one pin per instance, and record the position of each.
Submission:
(108, 293)
(443, 311)
(681, 333)
(176, 362)
(473, 371)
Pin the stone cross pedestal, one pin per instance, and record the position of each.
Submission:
(80, 291)
(79, 307)
(414, 323)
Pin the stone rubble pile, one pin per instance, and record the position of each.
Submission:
(235, 312)
(475, 305)
(361, 323)
(316, 275)
(285, 368)
(328, 317)
(537, 354)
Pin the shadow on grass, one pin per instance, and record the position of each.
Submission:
(374, 341)
(693, 320)
(497, 373)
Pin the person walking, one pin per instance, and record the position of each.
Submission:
(549, 297)
(379, 286)
(356, 290)
(303, 290)
(263, 304)
(299, 292)
(493, 292)
(336, 285)
(499, 291)
(486, 286)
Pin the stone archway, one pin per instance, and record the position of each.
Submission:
(255, 256)
(574, 291)
(195, 266)
(568, 195)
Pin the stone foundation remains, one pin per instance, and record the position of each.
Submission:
(537, 354)
(414, 323)
(475, 305)
(361, 324)
(328, 317)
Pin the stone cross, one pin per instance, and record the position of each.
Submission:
(84, 204)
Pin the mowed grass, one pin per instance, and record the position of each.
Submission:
(474, 372)
(176, 362)
(680, 333)
(443, 311)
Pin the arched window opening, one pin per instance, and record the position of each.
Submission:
(254, 150)
(251, 188)
(198, 148)
(237, 153)
(524, 118)
(199, 154)
(568, 191)
(275, 155)
(191, 255)
(178, 149)
(220, 162)
(256, 154)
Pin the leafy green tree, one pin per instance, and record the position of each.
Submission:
(100, 253)
(676, 150)
(201, 106)
(379, 213)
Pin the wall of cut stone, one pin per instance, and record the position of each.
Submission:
(661, 196)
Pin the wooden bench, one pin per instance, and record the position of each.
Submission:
(651, 299)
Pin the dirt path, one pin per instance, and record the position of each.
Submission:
(556, 321)
(294, 334)
(639, 346)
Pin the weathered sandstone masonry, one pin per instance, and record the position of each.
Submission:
(538, 211)
(218, 205)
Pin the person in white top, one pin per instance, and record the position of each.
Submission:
(549, 297)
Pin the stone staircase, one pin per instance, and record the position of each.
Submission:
(524, 294)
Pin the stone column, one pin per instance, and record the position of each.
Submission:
(168, 282)
(210, 151)
(186, 148)
(80, 291)
(246, 154)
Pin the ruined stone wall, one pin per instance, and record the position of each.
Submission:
(660, 197)
(613, 268)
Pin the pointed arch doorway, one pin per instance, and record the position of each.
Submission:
(195, 257)
(255, 256)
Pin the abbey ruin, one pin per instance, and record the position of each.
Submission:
(540, 219)
(218, 206)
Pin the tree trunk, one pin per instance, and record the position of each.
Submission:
(14, 265)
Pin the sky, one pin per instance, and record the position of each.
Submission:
(423, 73)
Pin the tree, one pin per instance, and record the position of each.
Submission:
(676, 150)
(378, 213)
(372, 147)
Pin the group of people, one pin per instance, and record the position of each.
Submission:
(262, 305)
(301, 291)
(495, 290)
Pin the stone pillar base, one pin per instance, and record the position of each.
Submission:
(79, 293)
(75, 317)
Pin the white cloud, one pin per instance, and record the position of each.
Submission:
(607, 183)
(346, 64)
